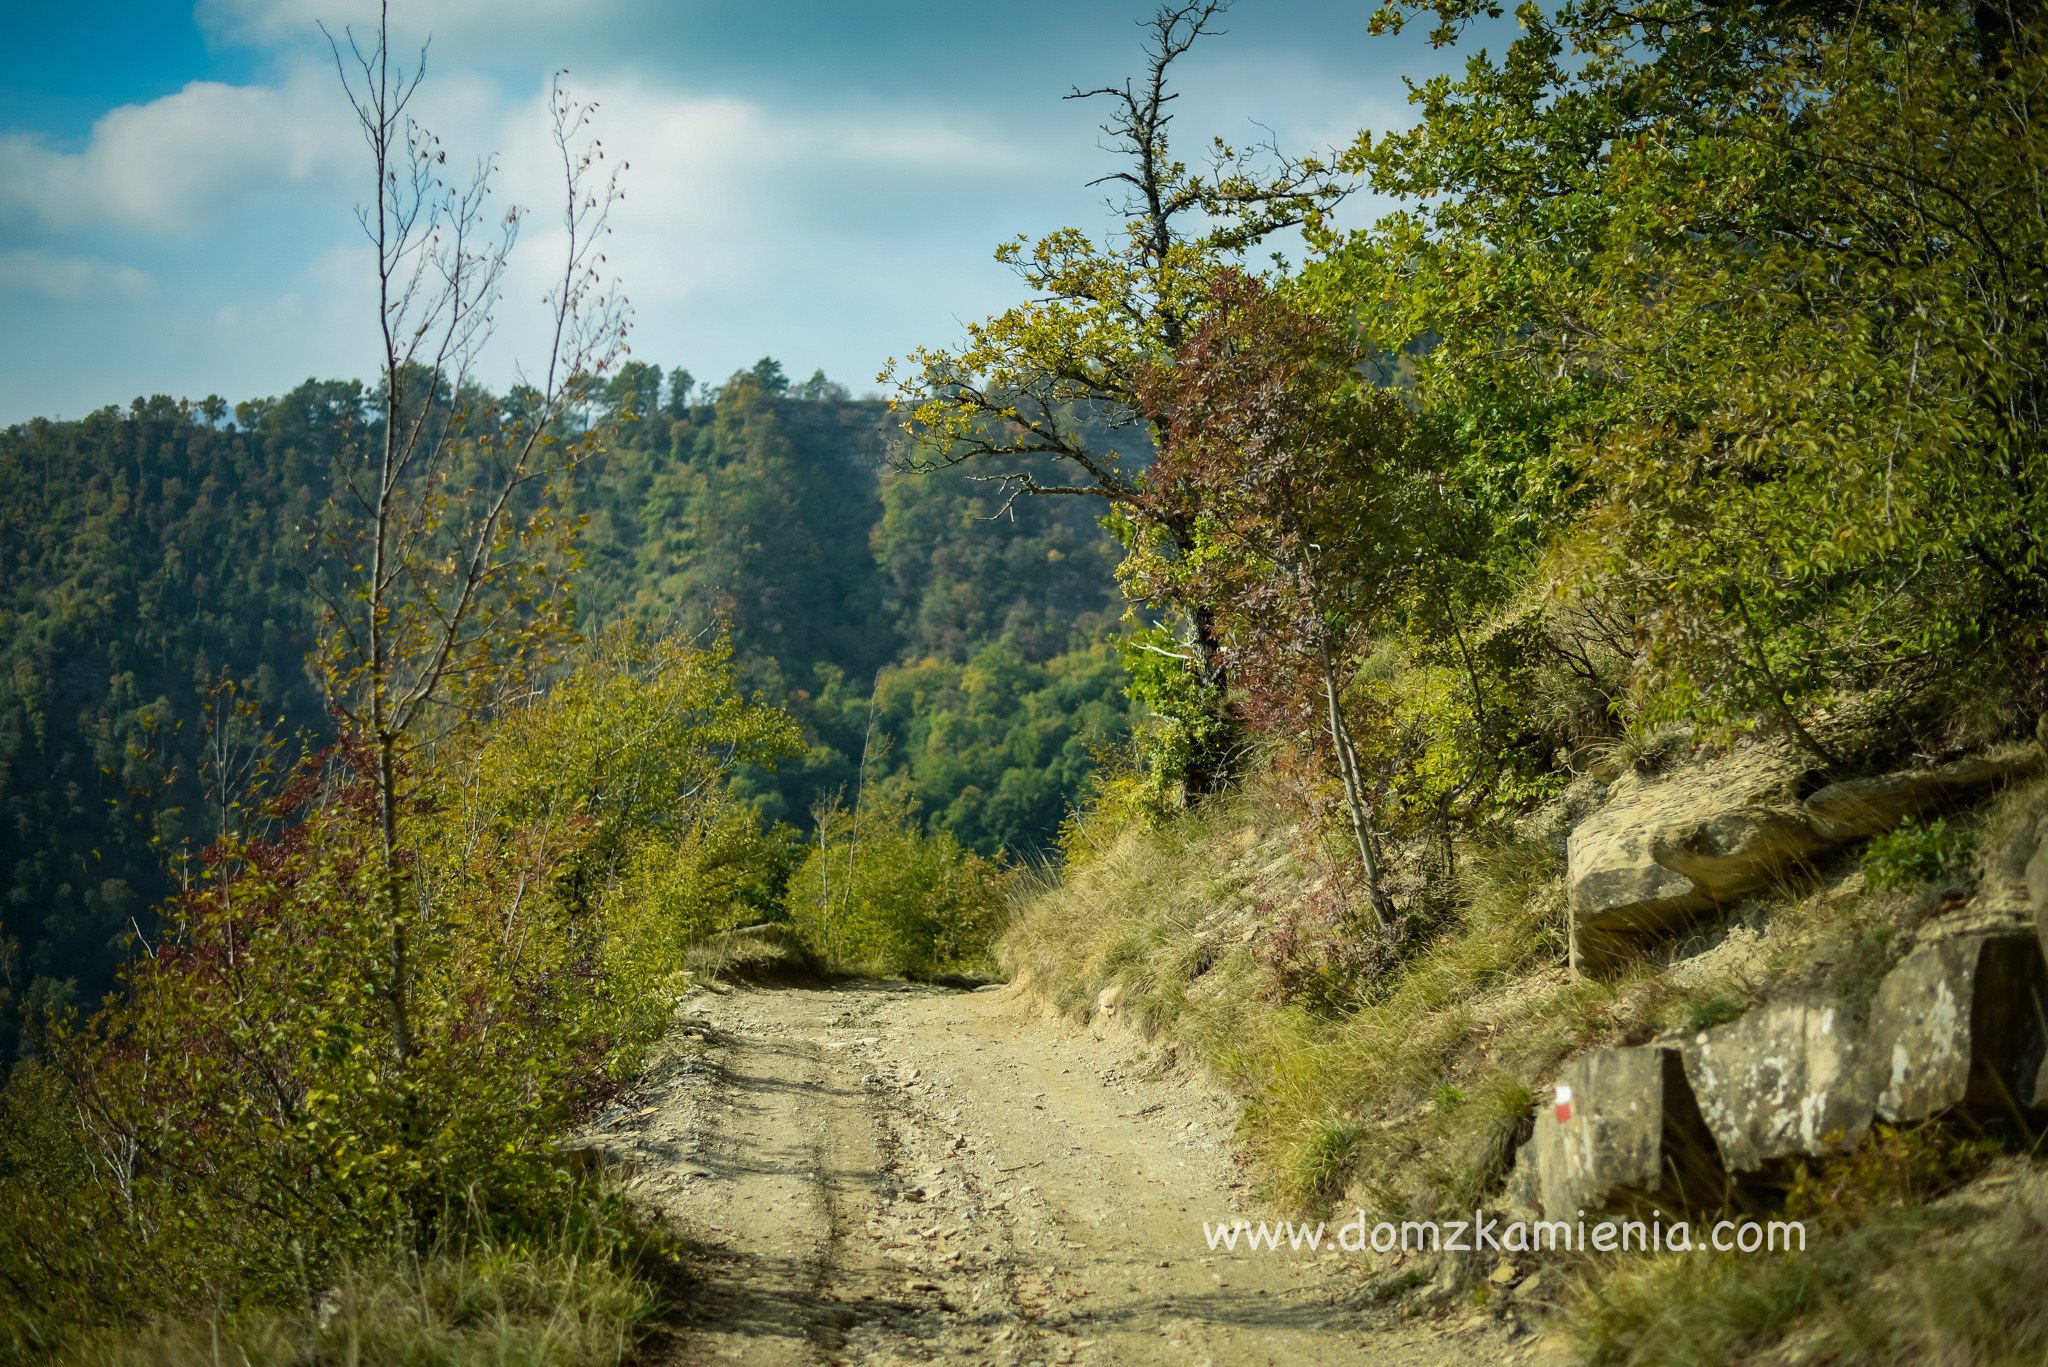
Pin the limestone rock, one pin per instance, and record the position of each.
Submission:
(1733, 853)
(1658, 854)
(1523, 1197)
(1788, 1078)
(1963, 1022)
(2037, 881)
(1631, 1129)
(1859, 807)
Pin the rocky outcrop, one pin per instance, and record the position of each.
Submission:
(1860, 807)
(1959, 1025)
(1963, 1023)
(1659, 854)
(1731, 854)
(1789, 1078)
(2037, 887)
(1623, 1125)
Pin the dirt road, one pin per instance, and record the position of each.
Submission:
(886, 1173)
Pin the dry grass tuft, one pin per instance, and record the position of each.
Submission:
(488, 1305)
(1894, 1281)
(1416, 1092)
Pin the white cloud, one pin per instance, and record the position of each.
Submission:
(748, 225)
(178, 162)
(71, 279)
(723, 192)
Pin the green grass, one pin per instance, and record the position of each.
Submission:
(1890, 1274)
(1417, 1090)
(1917, 853)
(1412, 1096)
(1914, 1286)
(1713, 1007)
(552, 1303)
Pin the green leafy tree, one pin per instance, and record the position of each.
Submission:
(1303, 487)
(956, 575)
(1043, 398)
(879, 894)
(234, 1127)
(1742, 324)
(997, 746)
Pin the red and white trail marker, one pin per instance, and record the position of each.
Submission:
(1564, 1103)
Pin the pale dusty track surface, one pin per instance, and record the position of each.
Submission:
(884, 1173)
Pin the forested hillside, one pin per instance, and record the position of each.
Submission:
(159, 566)
(151, 555)
(1554, 718)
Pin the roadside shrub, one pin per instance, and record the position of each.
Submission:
(879, 894)
(559, 1298)
(300, 1079)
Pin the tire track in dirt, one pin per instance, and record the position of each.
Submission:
(887, 1173)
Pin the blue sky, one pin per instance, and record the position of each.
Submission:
(821, 182)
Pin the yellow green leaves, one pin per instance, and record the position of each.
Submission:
(245, 1119)
(879, 894)
(1737, 328)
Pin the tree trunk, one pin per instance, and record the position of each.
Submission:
(1210, 771)
(1354, 796)
(391, 893)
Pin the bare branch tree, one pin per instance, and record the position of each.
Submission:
(444, 531)
(1050, 377)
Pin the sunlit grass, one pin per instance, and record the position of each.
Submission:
(1918, 1284)
(1172, 917)
(551, 1303)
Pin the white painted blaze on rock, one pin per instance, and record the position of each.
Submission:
(1787, 1079)
(1622, 1123)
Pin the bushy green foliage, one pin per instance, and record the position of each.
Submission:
(879, 894)
(1182, 727)
(242, 1121)
(997, 747)
(1740, 329)
(962, 569)
(554, 1298)
(1917, 852)
(1720, 351)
